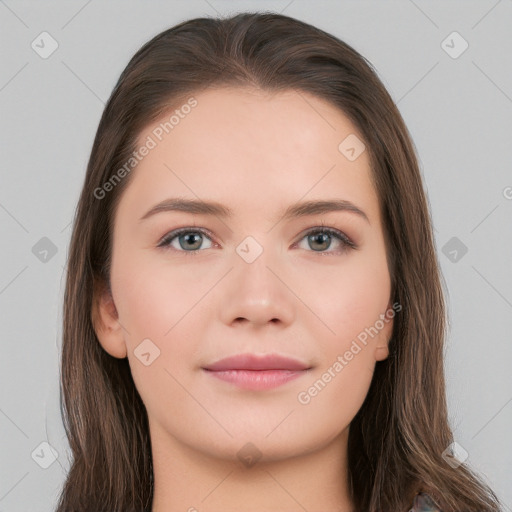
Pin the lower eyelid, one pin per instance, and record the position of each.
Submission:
(165, 242)
(346, 242)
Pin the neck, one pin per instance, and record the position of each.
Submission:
(187, 480)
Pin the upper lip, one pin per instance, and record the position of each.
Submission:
(255, 362)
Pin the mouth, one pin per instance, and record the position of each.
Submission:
(249, 371)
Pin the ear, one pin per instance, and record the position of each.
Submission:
(105, 321)
(382, 346)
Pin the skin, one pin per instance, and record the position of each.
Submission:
(256, 153)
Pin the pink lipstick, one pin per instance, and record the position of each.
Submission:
(249, 371)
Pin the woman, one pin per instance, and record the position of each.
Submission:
(253, 316)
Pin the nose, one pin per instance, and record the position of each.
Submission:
(256, 293)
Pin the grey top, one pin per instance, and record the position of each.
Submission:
(424, 503)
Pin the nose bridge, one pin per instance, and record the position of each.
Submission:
(254, 292)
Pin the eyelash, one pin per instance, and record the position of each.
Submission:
(346, 242)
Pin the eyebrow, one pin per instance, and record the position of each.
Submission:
(300, 209)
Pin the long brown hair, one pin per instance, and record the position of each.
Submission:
(397, 438)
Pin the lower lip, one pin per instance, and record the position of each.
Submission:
(257, 379)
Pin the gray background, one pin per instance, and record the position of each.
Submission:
(458, 110)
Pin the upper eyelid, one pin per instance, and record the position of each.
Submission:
(178, 231)
(165, 240)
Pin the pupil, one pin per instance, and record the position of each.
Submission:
(321, 238)
(191, 238)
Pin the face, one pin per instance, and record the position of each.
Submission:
(312, 286)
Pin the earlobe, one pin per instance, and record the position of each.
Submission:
(381, 352)
(105, 322)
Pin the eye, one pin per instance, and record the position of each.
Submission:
(185, 239)
(320, 239)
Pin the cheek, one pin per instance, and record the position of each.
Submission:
(336, 395)
(155, 304)
(150, 297)
(156, 298)
(355, 293)
(351, 306)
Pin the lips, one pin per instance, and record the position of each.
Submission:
(253, 362)
(249, 371)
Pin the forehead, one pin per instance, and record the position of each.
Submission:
(251, 148)
(246, 116)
